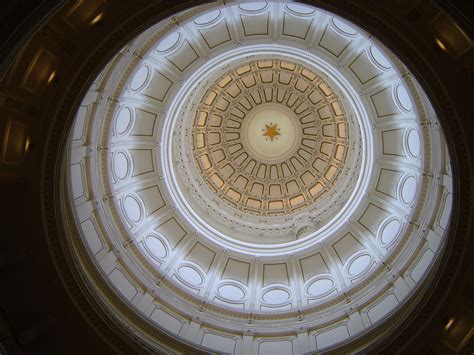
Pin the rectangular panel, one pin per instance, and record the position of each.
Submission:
(313, 265)
(333, 42)
(372, 217)
(378, 311)
(152, 199)
(40, 72)
(275, 273)
(183, 57)
(283, 347)
(346, 246)
(80, 123)
(123, 285)
(219, 342)
(422, 265)
(172, 231)
(92, 237)
(166, 320)
(144, 123)
(392, 142)
(331, 336)
(159, 86)
(236, 270)
(296, 26)
(364, 69)
(142, 161)
(446, 207)
(77, 180)
(216, 35)
(14, 143)
(202, 256)
(384, 104)
(83, 12)
(388, 182)
(255, 25)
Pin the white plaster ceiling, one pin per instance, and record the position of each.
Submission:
(204, 258)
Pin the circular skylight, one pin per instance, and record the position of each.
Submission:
(258, 181)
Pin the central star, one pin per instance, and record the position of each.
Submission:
(271, 131)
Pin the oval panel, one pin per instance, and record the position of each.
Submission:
(403, 97)
(379, 58)
(253, 6)
(300, 9)
(121, 165)
(132, 209)
(276, 296)
(168, 42)
(124, 118)
(390, 231)
(413, 143)
(207, 18)
(409, 189)
(320, 287)
(231, 292)
(140, 77)
(156, 247)
(343, 27)
(190, 275)
(359, 265)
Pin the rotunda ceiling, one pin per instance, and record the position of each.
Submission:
(264, 132)
(257, 138)
(245, 175)
(268, 139)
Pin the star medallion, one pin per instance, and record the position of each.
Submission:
(271, 131)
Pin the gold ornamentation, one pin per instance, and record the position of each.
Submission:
(256, 187)
(272, 131)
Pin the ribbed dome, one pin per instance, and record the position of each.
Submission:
(248, 175)
(270, 138)
(253, 183)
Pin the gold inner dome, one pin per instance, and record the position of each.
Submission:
(270, 137)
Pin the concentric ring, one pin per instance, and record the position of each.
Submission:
(319, 172)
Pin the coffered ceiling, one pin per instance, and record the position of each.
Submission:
(262, 177)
